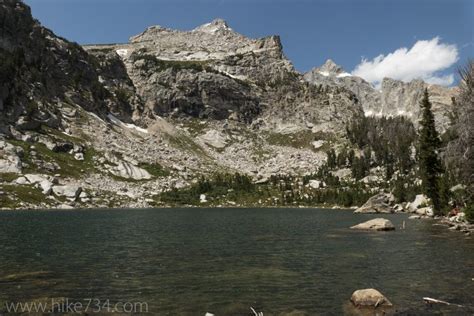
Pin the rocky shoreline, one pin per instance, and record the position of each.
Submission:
(456, 222)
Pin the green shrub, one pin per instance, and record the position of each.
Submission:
(155, 169)
(218, 186)
(469, 211)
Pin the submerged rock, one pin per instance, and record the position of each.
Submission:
(369, 298)
(380, 224)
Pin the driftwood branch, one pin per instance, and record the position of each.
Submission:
(429, 300)
(255, 312)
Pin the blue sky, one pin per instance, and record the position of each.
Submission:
(311, 31)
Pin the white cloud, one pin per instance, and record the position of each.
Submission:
(423, 61)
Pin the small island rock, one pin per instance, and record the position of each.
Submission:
(369, 298)
(380, 224)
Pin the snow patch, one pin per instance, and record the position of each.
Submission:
(213, 27)
(122, 52)
(344, 74)
(324, 73)
(118, 122)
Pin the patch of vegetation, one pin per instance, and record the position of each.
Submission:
(469, 211)
(16, 194)
(122, 95)
(155, 169)
(390, 139)
(301, 139)
(8, 177)
(217, 189)
(58, 135)
(104, 50)
(182, 141)
(11, 62)
(222, 189)
(161, 65)
(69, 167)
(152, 62)
(194, 126)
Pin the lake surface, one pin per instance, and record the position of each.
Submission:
(224, 261)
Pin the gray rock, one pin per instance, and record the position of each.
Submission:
(79, 156)
(35, 178)
(65, 207)
(425, 211)
(10, 161)
(316, 184)
(420, 201)
(71, 192)
(10, 164)
(380, 203)
(214, 138)
(369, 298)
(127, 170)
(379, 224)
(21, 181)
(46, 187)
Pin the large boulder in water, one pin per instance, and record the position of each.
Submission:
(380, 224)
(380, 203)
(369, 298)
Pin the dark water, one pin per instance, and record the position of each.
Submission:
(192, 261)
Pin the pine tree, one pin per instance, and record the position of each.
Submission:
(429, 162)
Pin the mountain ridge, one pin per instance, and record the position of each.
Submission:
(123, 124)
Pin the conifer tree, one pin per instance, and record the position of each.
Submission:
(429, 162)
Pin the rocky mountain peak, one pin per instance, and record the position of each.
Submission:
(330, 67)
(217, 25)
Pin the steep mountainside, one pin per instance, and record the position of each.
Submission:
(116, 125)
(41, 73)
(149, 122)
(212, 72)
(395, 98)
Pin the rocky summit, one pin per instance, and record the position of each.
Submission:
(121, 124)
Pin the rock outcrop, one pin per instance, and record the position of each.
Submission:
(71, 192)
(419, 202)
(42, 72)
(380, 203)
(129, 171)
(213, 72)
(10, 161)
